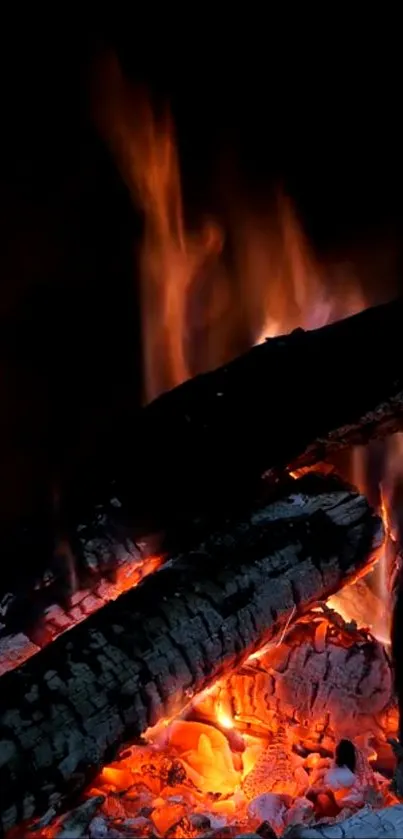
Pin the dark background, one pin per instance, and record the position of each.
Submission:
(323, 115)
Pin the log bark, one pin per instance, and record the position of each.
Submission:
(69, 708)
(366, 824)
(287, 403)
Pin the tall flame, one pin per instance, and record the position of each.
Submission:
(371, 602)
(206, 294)
(170, 259)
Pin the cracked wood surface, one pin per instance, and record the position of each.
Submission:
(366, 824)
(69, 708)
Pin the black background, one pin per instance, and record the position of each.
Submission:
(320, 112)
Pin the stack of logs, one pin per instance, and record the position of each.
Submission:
(252, 553)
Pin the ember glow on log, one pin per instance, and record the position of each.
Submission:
(140, 659)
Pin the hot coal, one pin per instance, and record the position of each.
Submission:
(188, 779)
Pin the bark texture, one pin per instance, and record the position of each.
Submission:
(69, 708)
(287, 403)
(366, 824)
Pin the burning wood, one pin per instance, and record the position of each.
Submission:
(181, 459)
(21, 636)
(141, 658)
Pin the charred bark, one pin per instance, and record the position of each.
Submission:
(69, 708)
(287, 403)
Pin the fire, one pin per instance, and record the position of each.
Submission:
(370, 601)
(14, 650)
(267, 736)
(260, 745)
(224, 715)
(172, 260)
(208, 292)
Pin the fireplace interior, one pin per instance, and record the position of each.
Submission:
(206, 642)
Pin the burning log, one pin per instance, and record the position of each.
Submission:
(139, 659)
(209, 441)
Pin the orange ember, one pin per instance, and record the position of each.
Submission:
(261, 744)
(16, 649)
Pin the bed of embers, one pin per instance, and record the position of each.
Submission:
(299, 735)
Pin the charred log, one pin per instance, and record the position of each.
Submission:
(285, 404)
(69, 708)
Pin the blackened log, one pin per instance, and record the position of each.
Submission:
(69, 708)
(287, 403)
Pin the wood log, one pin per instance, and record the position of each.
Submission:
(366, 824)
(69, 708)
(287, 403)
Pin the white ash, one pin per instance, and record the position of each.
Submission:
(14, 650)
(300, 812)
(98, 828)
(269, 808)
(339, 777)
(366, 824)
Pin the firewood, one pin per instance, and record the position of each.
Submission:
(285, 404)
(141, 658)
(366, 824)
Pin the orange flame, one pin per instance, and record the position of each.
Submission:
(196, 310)
(369, 602)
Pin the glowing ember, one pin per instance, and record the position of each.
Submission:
(288, 737)
(224, 716)
(15, 649)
